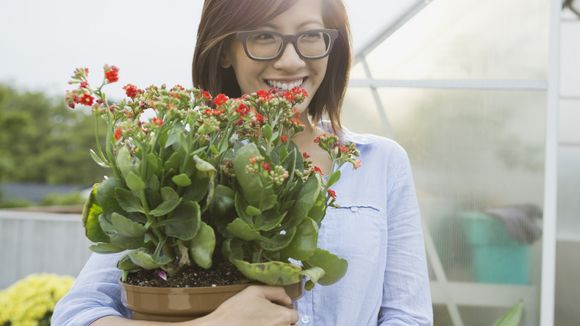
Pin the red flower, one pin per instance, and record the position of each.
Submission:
(317, 170)
(86, 99)
(118, 133)
(305, 155)
(260, 118)
(242, 110)
(317, 140)
(263, 95)
(157, 121)
(343, 149)
(132, 90)
(84, 84)
(111, 73)
(332, 193)
(266, 166)
(206, 95)
(299, 91)
(284, 138)
(220, 99)
(289, 96)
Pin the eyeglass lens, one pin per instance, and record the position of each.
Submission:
(264, 45)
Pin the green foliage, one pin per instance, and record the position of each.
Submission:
(55, 199)
(42, 142)
(512, 317)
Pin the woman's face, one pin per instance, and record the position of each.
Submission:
(289, 69)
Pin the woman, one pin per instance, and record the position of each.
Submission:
(246, 45)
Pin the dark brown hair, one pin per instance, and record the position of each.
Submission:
(220, 19)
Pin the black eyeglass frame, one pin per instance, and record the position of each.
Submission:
(288, 38)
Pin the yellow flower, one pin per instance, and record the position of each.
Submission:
(31, 299)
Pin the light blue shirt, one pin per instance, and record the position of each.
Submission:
(377, 229)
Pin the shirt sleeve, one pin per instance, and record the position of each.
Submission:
(96, 293)
(406, 291)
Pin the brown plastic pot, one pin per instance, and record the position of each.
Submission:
(180, 304)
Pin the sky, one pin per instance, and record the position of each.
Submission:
(151, 42)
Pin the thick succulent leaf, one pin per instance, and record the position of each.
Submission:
(142, 258)
(134, 182)
(305, 241)
(98, 159)
(181, 180)
(125, 161)
(117, 239)
(334, 267)
(271, 273)
(240, 229)
(232, 249)
(170, 201)
(279, 241)
(306, 198)
(319, 209)
(252, 211)
(203, 246)
(128, 201)
(91, 212)
(203, 166)
(333, 178)
(126, 264)
(184, 222)
(222, 209)
(313, 275)
(174, 161)
(153, 165)
(253, 189)
(270, 219)
(126, 227)
(240, 205)
(105, 195)
(105, 248)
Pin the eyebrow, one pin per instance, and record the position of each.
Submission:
(308, 22)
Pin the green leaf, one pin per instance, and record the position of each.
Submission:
(91, 212)
(105, 248)
(126, 227)
(105, 195)
(126, 264)
(128, 201)
(305, 200)
(142, 258)
(279, 241)
(512, 317)
(252, 211)
(203, 166)
(203, 246)
(334, 177)
(313, 275)
(174, 161)
(124, 161)
(271, 273)
(134, 182)
(170, 201)
(252, 186)
(240, 229)
(334, 267)
(305, 241)
(181, 180)
(184, 222)
(98, 160)
(267, 132)
(153, 165)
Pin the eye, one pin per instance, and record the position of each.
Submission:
(263, 36)
(312, 36)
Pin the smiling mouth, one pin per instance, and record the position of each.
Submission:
(285, 85)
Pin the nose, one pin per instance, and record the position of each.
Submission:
(289, 60)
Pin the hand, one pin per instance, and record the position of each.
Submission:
(256, 305)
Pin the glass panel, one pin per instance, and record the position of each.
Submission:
(569, 119)
(568, 192)
(468, 39)
(570, 77)
(478, 161)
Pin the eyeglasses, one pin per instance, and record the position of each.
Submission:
(268, 45)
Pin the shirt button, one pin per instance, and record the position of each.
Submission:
(354, 209)
(305, 319)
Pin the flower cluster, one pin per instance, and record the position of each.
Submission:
(31, 300)
(192, 172)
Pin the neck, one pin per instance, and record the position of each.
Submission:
(305, 138)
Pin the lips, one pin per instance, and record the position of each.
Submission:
(285, 84)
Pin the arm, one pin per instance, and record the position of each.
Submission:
(96, 293)
(406, 292)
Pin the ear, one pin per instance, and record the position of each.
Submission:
(225, 60)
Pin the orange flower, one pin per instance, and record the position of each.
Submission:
(118, 133)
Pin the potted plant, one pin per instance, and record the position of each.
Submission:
(206, 194)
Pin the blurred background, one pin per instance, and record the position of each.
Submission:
(468, 88)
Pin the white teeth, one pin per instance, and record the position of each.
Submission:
(285, 86)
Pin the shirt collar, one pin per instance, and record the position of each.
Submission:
(346, 135)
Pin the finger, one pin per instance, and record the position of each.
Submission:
(276, 294)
